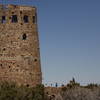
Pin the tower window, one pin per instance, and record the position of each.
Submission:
(35, 60)
(20, 12)
(1, 65)
(25, 18)
(24, 37)
(34, 19)
(3, 19)
(4, 49)
(12, 12)
(14, 19)
(27, 85)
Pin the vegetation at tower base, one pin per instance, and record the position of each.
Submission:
(10, 91)
(74, 91)
(71, 91)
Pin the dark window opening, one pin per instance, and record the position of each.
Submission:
(34, 19)
(14, 19)
(9, 66)
(47, 93)
(30, 73)
(20, 12)
(27, 85)
(3, 19)
(35, 60)
(21, 23)
(25, 19)
(12, 12)
(0, 64)
(24, 36)
(4, 49)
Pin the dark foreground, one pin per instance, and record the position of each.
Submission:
(71, 91)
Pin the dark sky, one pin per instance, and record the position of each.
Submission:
(69, 32)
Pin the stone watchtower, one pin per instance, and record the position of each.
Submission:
(19, 45)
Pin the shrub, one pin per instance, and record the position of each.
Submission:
(10, 91)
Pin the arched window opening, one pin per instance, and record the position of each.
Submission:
(3, 19)
(14, 19)
(25, 18)
(24, 37)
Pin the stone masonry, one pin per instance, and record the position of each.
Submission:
(19, 45)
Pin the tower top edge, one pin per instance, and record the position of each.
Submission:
(16, 6)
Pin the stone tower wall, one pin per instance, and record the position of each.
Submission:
(19, 45)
